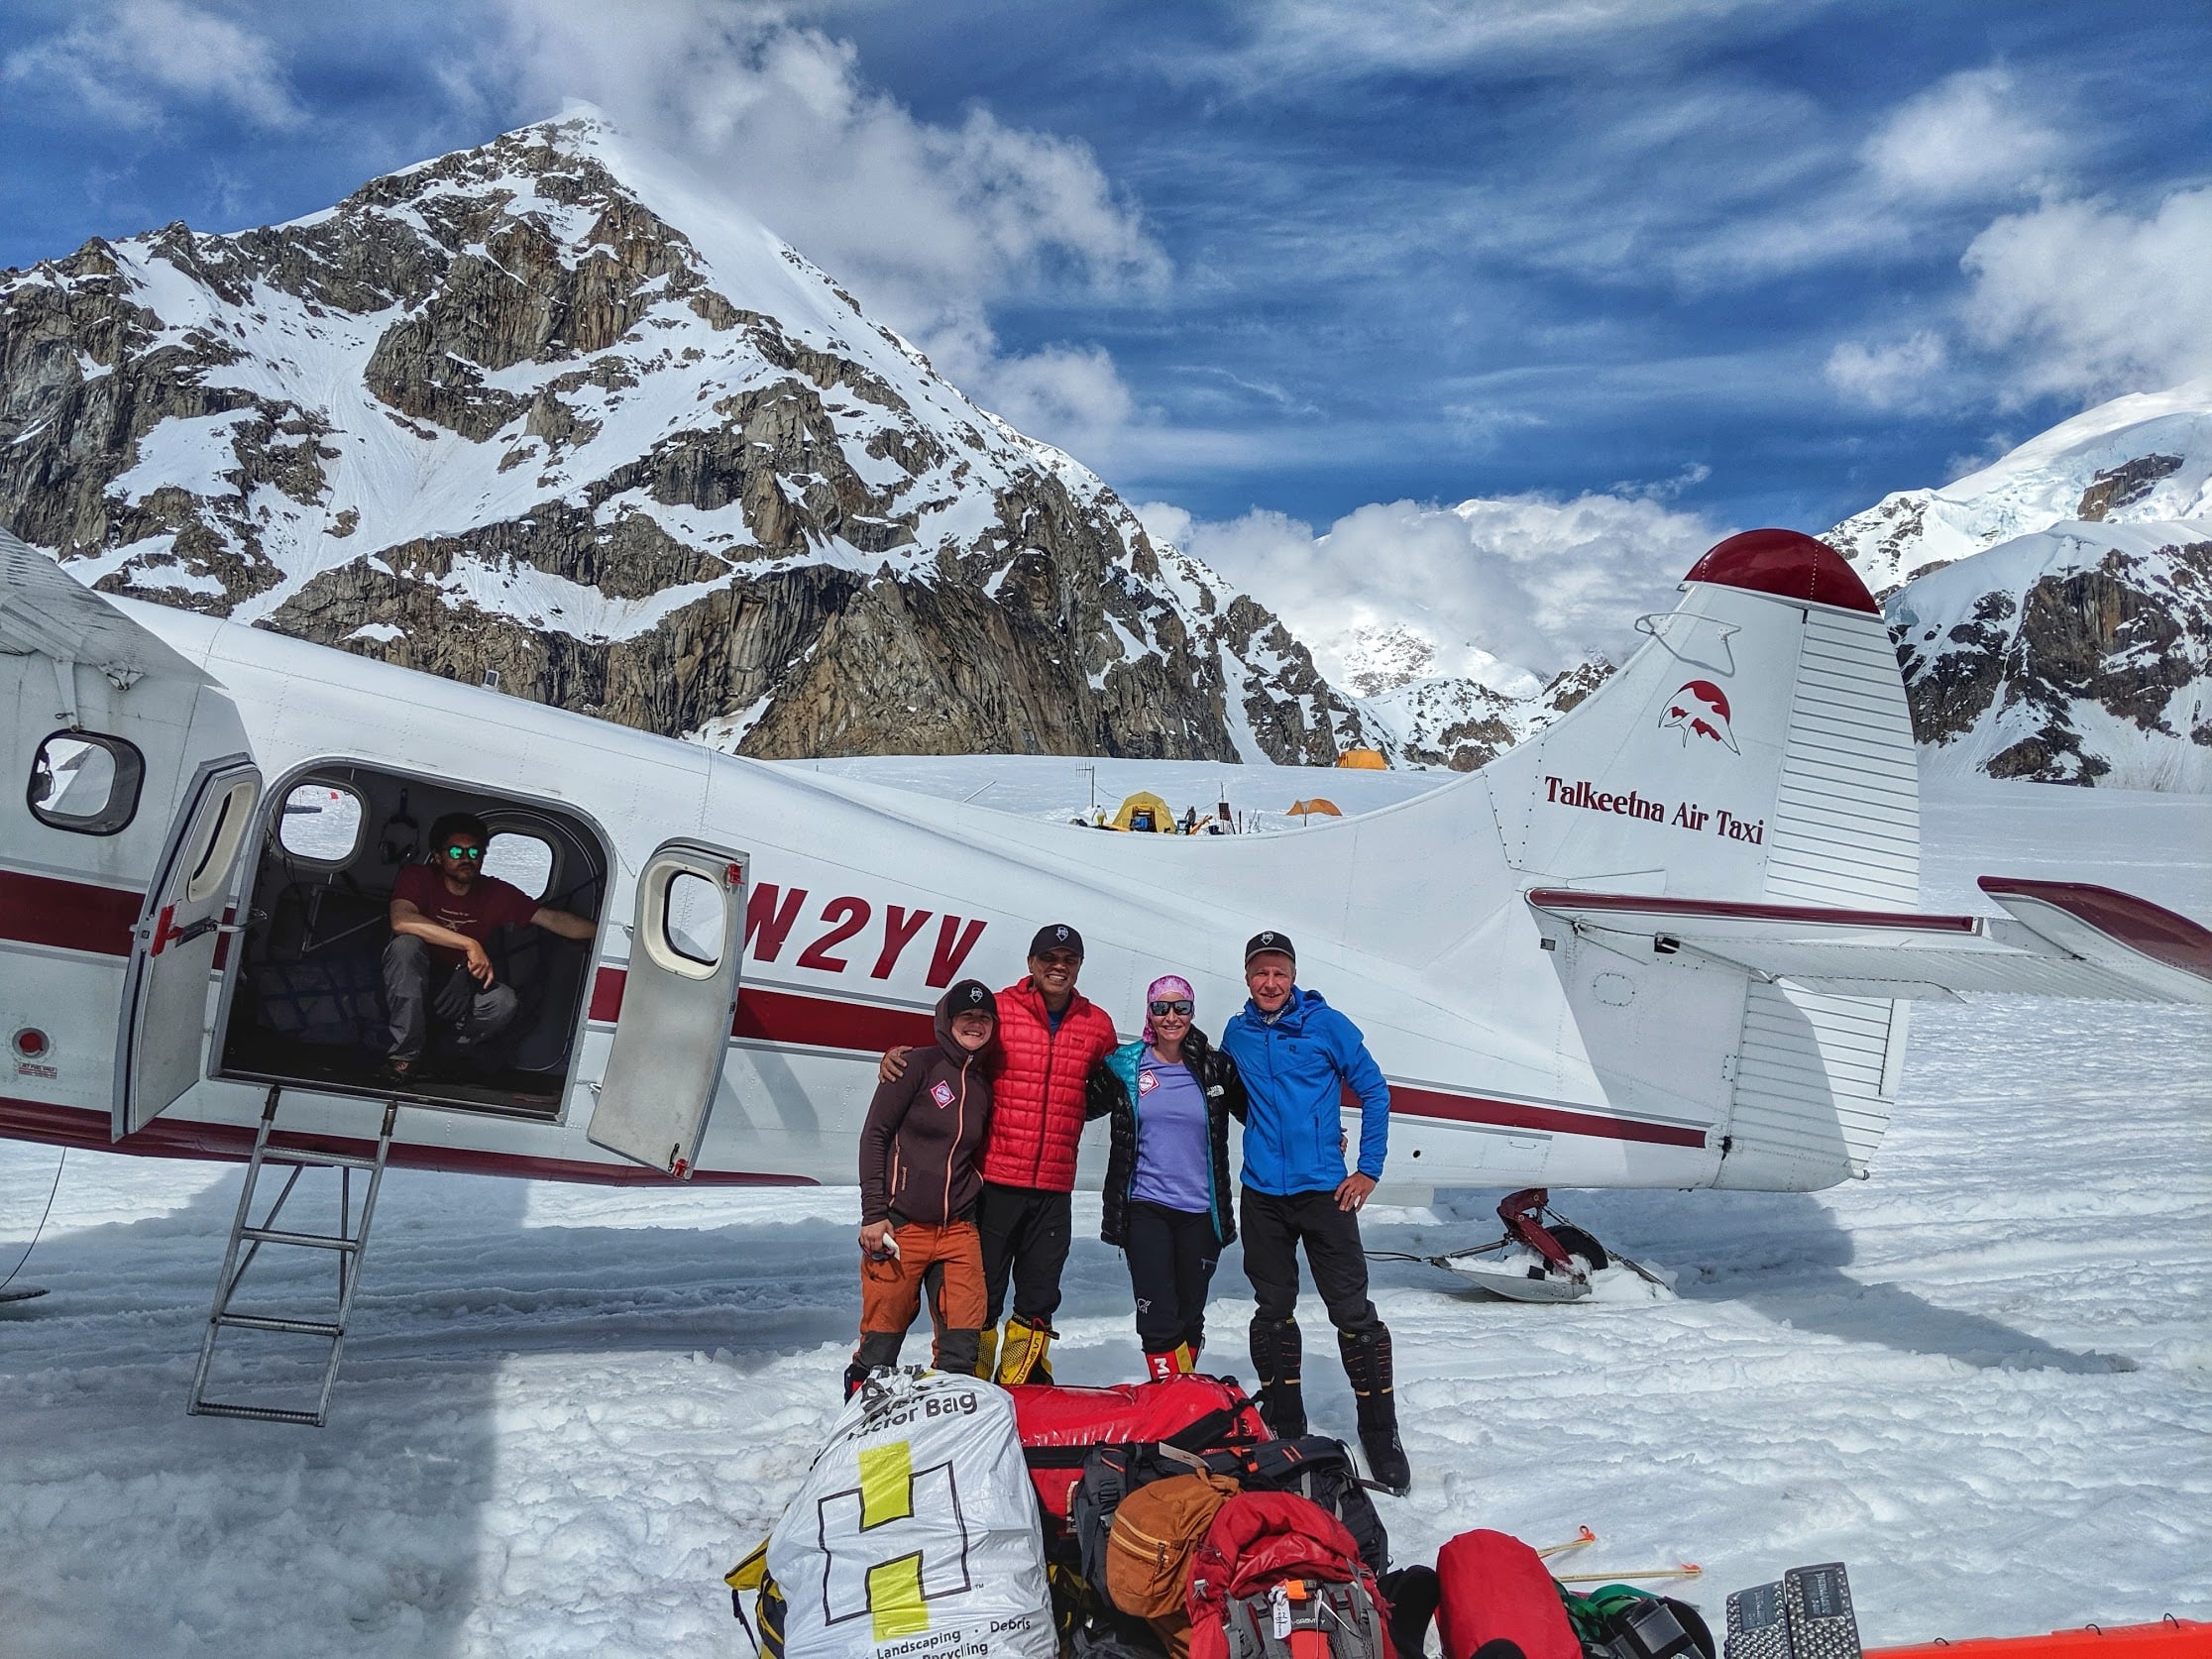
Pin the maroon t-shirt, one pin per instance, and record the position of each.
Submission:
(489, 904)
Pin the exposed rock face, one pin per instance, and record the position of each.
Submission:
(2072, 656)
(1465, 724)
(538, 407)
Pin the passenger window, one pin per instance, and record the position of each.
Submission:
(86, 782)
(321, 822)
(693, 925)
(520, 860)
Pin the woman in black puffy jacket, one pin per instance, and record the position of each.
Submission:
(1168, 1197)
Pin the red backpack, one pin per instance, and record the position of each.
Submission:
(1280, 1578)
(1489, 1585)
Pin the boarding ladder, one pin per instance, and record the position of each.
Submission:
(348, 1243)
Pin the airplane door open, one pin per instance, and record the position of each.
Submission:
(159, 1049)
(678, 1005)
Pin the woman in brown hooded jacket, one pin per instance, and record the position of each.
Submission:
(918, 1189)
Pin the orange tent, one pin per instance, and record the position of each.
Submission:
(1364, 760)
(1319, 804)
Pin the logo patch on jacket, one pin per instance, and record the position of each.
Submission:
(1146, 1081)
(940, 1092)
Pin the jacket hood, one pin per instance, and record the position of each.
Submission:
(969, 995)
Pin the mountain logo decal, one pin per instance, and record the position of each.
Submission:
(1699, 709)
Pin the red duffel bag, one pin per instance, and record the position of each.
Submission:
(1489, 1585)
(1060, 1427)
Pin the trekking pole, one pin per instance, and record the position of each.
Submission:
(1549, 1550)
(1687, 1570)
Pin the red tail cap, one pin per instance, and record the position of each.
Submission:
(1787, 565)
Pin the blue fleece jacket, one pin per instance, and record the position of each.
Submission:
(1296, 1066)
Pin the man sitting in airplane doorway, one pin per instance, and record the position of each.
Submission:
(436, 967)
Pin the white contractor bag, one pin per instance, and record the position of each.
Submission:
(916, 1534)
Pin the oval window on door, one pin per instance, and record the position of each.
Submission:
(692, 916)
(213, 866)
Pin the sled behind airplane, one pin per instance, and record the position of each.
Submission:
(1669, 942)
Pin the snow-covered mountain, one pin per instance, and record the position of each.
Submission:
(2145, 458)
(2054, 611)
(547, 407)
(1463, 723)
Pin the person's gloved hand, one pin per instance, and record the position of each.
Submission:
(455, 996)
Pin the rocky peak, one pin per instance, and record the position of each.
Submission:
(548, 407)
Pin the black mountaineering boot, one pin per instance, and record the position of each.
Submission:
(1367, 1363)
(1278, 1359)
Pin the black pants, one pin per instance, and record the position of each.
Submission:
(1025, 1233)
(1172, 1258)
(1274, 1228)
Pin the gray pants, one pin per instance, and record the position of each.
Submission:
(417, 990)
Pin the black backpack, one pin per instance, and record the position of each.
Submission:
(1321, 1471)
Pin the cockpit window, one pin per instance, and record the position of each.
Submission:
(86, 782)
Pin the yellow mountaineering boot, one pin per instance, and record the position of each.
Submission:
(1021, 1356)
(986, 1360)
(1187, 1358)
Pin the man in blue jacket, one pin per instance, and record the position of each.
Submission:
(1296, 1055)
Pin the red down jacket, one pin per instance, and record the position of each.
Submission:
(1038, 1097)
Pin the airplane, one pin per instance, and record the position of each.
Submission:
(1669, 942)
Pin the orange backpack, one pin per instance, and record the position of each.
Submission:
(1157, 1529)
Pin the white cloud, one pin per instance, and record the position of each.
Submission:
(2087, 298)
(128, 57)
(1071, 391)
(1975, 133)
(1335, 38)
(928, 223)
(1888, 376)
(1529, 580)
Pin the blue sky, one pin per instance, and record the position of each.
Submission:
(1268, 266)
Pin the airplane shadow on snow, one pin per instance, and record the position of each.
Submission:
(1787, 1255)
(372, 1532)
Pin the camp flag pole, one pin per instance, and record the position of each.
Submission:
(1583, 1536)
(1687, 1570)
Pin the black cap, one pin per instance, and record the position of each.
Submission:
(970, 996)
(1057, 936)
(1259, 945)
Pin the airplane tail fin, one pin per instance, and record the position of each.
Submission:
(1758, 749)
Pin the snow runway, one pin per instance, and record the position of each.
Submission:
(1983, 1379)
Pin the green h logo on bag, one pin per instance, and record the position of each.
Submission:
(880, 1558)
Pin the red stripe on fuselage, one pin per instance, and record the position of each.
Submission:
(81, 917)
(71, 914)
(1406, 1101)
(794, 1020)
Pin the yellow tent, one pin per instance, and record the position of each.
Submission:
(1320, 805)
(1144, 812)
(1364, 760)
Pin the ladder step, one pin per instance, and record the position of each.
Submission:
(315, 1240)
(255, 1414)
(270, 1322)
(317, 1160)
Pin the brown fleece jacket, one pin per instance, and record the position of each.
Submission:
(925, 1128)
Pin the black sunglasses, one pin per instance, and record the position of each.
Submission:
(1183, 1007)
(471, 852)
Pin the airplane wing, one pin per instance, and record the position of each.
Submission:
(45, 611)
(2062, 938)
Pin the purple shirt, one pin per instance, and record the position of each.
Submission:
(1171, 1135)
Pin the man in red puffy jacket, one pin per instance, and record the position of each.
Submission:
(1051, 1037)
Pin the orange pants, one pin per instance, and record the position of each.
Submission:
(891, 1295)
